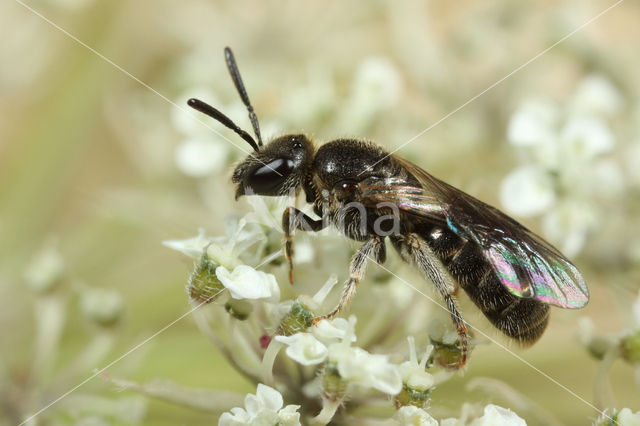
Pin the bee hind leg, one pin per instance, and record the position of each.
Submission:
(374, 248)
(293, 219)
(417, 250)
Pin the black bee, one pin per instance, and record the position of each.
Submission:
(511, 274)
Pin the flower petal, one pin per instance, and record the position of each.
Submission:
(269, 397)
(498, 416)
(247, 283)
(527, 191)
(304, 348)
(413, 416)
(197, 157)
(192, 247)
(533, 124)
(329, 331)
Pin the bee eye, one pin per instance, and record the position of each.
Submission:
(267, 179)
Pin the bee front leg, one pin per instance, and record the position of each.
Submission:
(424, 258)
(293, 219)
(375, 248)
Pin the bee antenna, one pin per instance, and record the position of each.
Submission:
(237, 80)
(205, 108)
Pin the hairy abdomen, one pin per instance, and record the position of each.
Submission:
(523, 319)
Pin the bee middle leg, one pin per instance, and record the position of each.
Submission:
(373, 248)
(417, 250)
(293, 219)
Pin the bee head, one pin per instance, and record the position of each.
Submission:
(273, 169)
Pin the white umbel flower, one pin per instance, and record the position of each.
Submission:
(263, 408)
(533, 124)
(199, 157)
(626, 417)
(361, 368)
(304, 348)
(244, 282)
(414, 416)
(413, 372)
(45, 270)
(596, 95)
(330, 331)
(527, 191)
(498, 416)
(192, 247)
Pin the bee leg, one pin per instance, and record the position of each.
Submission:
(424, 258)
(374, 248)
(293, 219)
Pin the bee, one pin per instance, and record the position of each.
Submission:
(372, 196)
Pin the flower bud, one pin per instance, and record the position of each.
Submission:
(45, 270)
(630, 347)
(102, 306)
(333, 386)
(298, 319)
(446, 355)
(409, 396)
(204, 286)
(447, 351)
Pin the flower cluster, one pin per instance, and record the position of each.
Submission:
(568, 167)
(48, 372)
(322, 371)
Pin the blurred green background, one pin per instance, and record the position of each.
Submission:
(90, 165)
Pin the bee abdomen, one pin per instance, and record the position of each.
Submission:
(523, 319)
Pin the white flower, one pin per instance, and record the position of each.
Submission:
(329, 331)
(267, 211)
(585, 137)
(527, 191)
(442, 331)
(103, 306)
(244, 282)
(242, 234)
(498, 416)
(628, 418)
(304, 348)
(533, 124)
(359, 367)
(192, 247)
(377, 82)
(312, 101)
(413, 372)
(226, 251)
(569, 223)
(263, 408)
(46, 269)
(376, 87)
(597, 95)
(199, 157)
(303, 253)
(414, 416)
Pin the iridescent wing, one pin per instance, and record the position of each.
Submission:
(527, 265)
